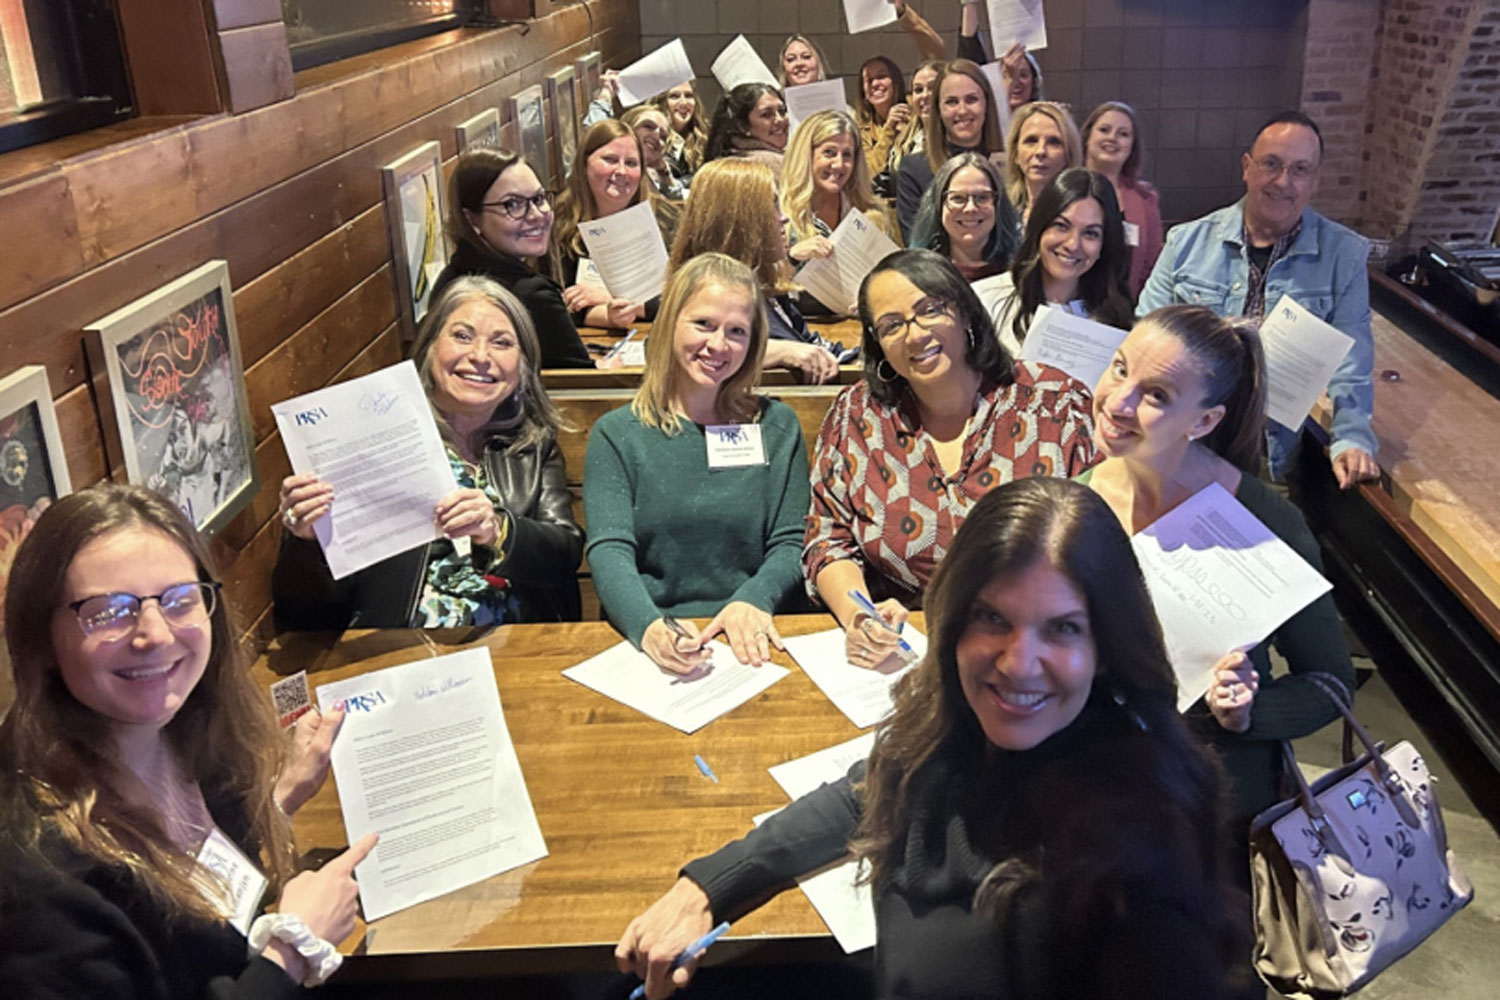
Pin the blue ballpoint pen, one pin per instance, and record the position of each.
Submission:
(687, 955)
(868, 607)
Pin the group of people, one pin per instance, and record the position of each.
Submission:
(1036, 816)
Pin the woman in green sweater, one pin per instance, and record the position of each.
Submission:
(695, 495)
(1182, 406)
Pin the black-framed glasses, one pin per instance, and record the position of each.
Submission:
(114, 616)
(929, 313)
(957, 200)
(516, 206)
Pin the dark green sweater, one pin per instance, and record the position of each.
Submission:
(668, 535)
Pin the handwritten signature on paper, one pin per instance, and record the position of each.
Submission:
(378, 403)
(442, 687)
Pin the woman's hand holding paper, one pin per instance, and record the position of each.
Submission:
(1231, 695)
(813, 246)
(750, 631)
(312, 748)
(304, 499)
(815, 364)
(468, 513)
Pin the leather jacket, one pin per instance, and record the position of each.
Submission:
(540, 558)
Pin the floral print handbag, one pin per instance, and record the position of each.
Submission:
(1352, 872)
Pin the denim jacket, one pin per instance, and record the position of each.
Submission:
(1205, 262)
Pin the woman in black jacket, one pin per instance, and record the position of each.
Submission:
(477, 355)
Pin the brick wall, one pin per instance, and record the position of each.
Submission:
(1340, 55)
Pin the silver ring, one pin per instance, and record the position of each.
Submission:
(288, 518)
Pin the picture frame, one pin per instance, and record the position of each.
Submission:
(562, 96)
(167, 369)
(589, 68)
(33, 469)
(481, 130)
(528, 110)
(413, 189)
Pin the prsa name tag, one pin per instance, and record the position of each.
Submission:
(241, 879)
(734, 446)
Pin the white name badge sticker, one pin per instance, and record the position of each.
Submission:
(733, 446)
(245, 883)
(1132, 234)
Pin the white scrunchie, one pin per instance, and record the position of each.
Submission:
(323, 959)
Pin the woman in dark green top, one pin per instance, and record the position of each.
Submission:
(1182, 406)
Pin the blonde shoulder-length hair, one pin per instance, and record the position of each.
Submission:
(1015, 179)
(733, 211)
(576, 203)
(817, 51)
(656, 402)
(797, 171)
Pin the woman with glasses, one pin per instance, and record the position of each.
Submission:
(476, 355)
(943, 416)
(500, 222)
(145, 792)
(966, 217)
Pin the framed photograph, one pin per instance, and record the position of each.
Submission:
(531, 126)
(33, 472)
(167, 368)
(481, 130)
(589, 69)
(413, 188)
(563, 98)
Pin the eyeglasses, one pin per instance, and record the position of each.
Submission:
(115, 616)
(1272, 166)
(956, 200)
(929, 313)
(515, 206)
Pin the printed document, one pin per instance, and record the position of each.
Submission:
(1080, 347)
(1220, 581)
(740, 63)
(1302, 353)
(861, 693)
(629, 253)
(687, 702)
(651, 74)
(425, 759)
(1014, 21)
(995, 73)
(864, 15)
(858, 245)
(806, 100)
(803, 775)
(846, 908)
(374, 440)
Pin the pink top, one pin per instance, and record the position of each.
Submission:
(1139, 204)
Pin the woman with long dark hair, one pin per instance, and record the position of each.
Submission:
(749, 122)
(966, 217)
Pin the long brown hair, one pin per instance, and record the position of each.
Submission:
(576, 203)
(58, 770)
(991, 140)
(696, 137)
(474, 173)
(1130, 170)
(733, 211)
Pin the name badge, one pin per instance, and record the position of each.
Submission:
(1132, 234)
(243, 881)
(733, 446)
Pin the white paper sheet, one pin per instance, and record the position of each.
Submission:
(802, 102)
(804, 774)
(846, 908)
(1220, 580)
(862, 694)
(629, 252)
(1302, 353)
(424, 757)
(374, 440)
(858, 245)
(740, 63)
(864, 15)
(1080, 347)
(588, 275)
(1014, 21)
(654, 73)
(688, 703)
(995, 74)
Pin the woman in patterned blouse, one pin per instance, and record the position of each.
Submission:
(942, 416)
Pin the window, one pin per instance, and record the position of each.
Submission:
(321, 31)
(61, 69)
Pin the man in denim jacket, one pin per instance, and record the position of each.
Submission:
(1240, 260)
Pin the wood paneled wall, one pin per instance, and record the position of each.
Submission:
(290, 195)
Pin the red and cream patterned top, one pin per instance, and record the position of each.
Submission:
(880, 497)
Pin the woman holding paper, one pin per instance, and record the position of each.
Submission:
(1182, 407)
(1073, 257)
(695, 494)
(476, 355)
(962, 118)
(943, 416)
(1036, 818)
(605, 179)
(966, 217)
(736, 212)
(144, 789)
(750, 122)
(1043, 142)
(689, 132)
(1112, 146)
(1018, 67)
(913, 136)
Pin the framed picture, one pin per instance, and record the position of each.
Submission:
(167, 367)
(413, 188)
(589, 69)
(563, 98)
(531, 127)
(32, 470)
(481, 130)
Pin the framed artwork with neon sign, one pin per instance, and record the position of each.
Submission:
(170, 383)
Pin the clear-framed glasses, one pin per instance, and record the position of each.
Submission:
(516, 206)
(958, 200)
(1272, 166)
(114, 616)
(929, 313)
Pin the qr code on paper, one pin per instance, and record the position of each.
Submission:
(291, 698)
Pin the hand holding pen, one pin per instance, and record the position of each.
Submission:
(874, 632)
(662, 945)
(673, 645)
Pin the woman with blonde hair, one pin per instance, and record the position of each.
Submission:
(652, 128)
(800, 61)
(1042, 143)
(689, 133)
(736, 212)
(962, 117)
(678, 528)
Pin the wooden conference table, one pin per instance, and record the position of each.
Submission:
(619, 799)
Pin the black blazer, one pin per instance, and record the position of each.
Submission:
(540, 558)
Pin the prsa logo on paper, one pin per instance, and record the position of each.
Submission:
(367, 702)
(310, 418)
